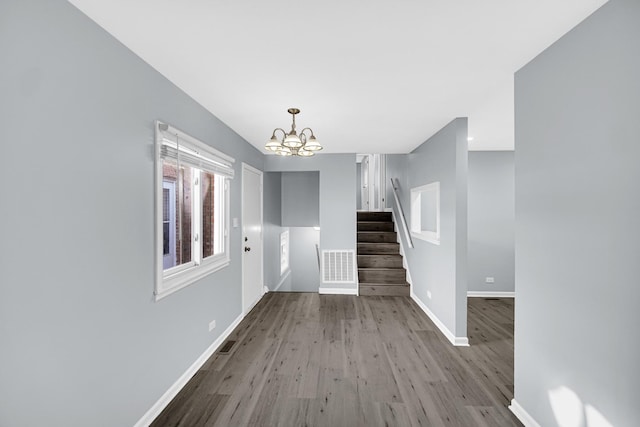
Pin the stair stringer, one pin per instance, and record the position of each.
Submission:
(405, 264)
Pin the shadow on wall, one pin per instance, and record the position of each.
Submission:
(569, 410)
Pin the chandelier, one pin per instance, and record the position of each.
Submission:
(293, 144)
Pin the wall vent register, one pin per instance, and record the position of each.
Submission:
(338, 266)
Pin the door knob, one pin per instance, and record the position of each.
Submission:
(247, 248)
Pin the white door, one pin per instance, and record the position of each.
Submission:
(373, 176)
(365, 183)
(252, 288)
(378, 183)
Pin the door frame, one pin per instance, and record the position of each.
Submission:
(251, 169)
(376, 182)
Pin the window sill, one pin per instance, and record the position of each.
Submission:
(427, 236)
(170, 284)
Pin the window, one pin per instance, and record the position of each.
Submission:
(425, 212)
(192, 191)
(284, 251)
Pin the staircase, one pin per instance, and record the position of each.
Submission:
(380, 270)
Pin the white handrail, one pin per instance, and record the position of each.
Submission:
(403, 221)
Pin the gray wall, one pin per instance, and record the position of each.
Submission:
(439, 269)
(491, 209)
(300, 199)
(577, 234)
(272, 214)
(83, 342)
(337, 198)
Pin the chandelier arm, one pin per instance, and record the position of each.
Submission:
(309, 129)
(280, 129)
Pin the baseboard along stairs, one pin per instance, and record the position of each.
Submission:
(380, 270)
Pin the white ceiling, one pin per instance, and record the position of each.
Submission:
(376, 76)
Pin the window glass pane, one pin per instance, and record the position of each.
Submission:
(166, 217)
(284, 251)
(176, 212)
(208, 190)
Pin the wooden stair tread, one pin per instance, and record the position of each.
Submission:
(366, 248)
(370, 232)
(377, 237)
(369, 289)
(374, 216)
(379, 260)
(375, 226)
(380, 243)
(389, 256)
(383, 284)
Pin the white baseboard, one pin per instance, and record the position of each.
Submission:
(522, 415)
(287, 274)
(337, 291)
(166, 398)
(457, 341)
(491, 294)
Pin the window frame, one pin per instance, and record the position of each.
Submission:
(178, 277)
(284, 252)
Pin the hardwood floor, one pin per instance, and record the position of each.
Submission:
(303, 359)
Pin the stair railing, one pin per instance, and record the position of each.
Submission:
(400, 211)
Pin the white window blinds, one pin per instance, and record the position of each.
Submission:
(183, 148)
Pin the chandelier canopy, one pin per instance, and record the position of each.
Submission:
(291, 143)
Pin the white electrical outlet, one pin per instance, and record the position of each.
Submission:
(489, 280)
(429, 294)
(212, 325)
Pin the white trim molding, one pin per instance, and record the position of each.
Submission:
(337, 291)
(166, 398)
(491, 294)
(457, 341)
(524, 417)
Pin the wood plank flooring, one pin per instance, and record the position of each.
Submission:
(303, 359)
